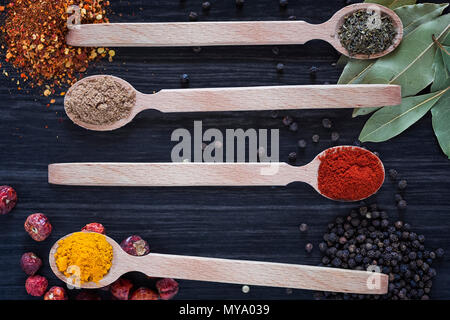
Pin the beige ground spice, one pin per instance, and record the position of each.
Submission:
(100, 100)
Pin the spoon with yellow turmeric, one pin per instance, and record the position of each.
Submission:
(92, 260)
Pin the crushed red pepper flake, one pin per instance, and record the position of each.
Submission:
(34, 39)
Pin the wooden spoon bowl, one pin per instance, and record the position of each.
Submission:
(234, 271)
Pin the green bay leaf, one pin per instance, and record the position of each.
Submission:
(392, 4)
(441, 69)
(411, 64)
(441, 122)
(389, 122)
(412, 16)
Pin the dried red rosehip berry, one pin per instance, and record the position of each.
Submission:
(30, 263)
(56, 293)
(87, 295)
(144, 294)
(135, 246)
(167, 288)
(38, 226)
(36, 285)
(94, 227)
(8, 199)
(121, 289)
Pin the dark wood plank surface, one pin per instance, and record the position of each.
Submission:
(238, 223)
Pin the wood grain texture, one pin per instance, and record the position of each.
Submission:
(257, 273)
(257, 223)
(181, 174)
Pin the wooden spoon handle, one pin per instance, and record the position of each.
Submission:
(259, 273)
(196, 34)
(272, 98)
(179, 174)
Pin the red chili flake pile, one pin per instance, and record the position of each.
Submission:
(349, 173)
(34, 40)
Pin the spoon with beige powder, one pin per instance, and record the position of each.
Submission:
(105, 103)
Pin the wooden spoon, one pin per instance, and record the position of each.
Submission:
(225, 33)
(234, 271)
(191, 174)
(248, 99)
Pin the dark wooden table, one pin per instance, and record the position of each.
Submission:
(237, 223)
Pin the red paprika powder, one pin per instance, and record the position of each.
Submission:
(349, 173)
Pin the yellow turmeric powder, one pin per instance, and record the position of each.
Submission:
(84, 257)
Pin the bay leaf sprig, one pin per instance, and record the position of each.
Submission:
(421, 60)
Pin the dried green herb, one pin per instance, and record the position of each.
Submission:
(367, 32)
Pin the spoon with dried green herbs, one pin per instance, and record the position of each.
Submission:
(361, 31)
(105, 103)
(74, 265)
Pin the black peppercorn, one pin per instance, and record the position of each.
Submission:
(440, 252)
(193, 16)
(315, 138)
(303, 227)
(313, 71)
(335, 136)
(393, 174)
(292, 18)
(402, 204)
(280, 68)
(326, 123)
(302, 144)
(206, 5)
(293, 127)
(184, 80)
(309, 247)
(402, 184)
(287, 121)
(292, 157)
(284, 3)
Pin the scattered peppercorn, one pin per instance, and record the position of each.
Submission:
(313, 71)
(206, 5)
(280, 67)
(94, 227)
(316, 138)
(309, 247)
(303, 227)
(287, 120)
(326, 123)
(167, 288)
(293, 127)
(121, 289)
(440, 253)
(36, 285)
(335, 136)
(193, 16)
(302, 144)
(30, 263)
(197, 49)
(135, 246)
(284, 3)
(275, 51)
(402, 204)
(144, 294)
(274, 114)
(38, 226)
(292, 157)
(393, 174)
(292, 18)
(402, 184)
(184, 80)
(56, 293)
(8, 199)
(396, 250)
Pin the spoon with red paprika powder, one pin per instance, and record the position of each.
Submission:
(256, 273)
(343, 173)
